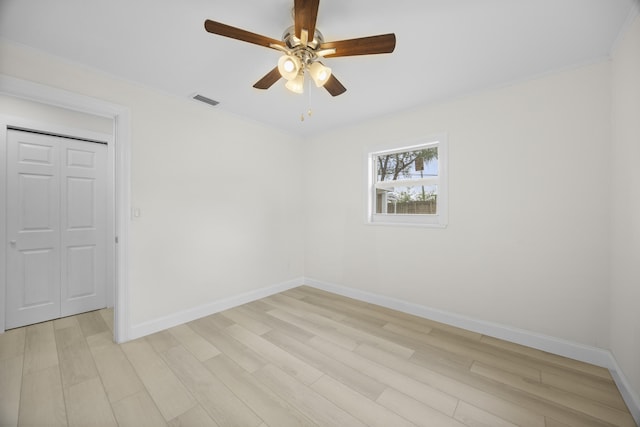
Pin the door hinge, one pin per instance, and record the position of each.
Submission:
(116, 239)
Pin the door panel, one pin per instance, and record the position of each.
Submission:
(37, 267)
(81, 271)
(80, 203)
(36, 153)
(84, 229)
(33, 230)
(56, 225)
(34, 194)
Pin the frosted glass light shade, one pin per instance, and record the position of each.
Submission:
(296, 85)
(289, 66)
(319, 73)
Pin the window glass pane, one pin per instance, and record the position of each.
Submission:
(399, 200)
(407, 185)
(407, 165)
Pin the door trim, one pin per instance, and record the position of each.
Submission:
(119, 180)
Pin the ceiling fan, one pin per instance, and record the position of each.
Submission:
(302, 46)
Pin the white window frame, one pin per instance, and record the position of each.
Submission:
(438, 220)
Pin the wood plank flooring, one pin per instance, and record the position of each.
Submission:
(300, 358)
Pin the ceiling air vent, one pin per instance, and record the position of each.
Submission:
(205, 100)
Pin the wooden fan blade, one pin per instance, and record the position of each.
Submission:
(268, 80)
(240, 34)
(305, 17)
(383, 43)
(334, 87)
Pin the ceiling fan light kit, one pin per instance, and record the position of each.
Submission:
(296, 85)
(319, 73)
(289, 66)
(301, 55)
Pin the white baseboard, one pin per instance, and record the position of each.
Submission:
(581, 352)
(584, 353)
(175, 319)
(630, 397)
(593, 355)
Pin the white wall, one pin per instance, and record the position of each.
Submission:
(49, 114)
(528, 238)
(625, 280)
(219, 196)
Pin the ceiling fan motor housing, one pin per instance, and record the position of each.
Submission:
(292, 42)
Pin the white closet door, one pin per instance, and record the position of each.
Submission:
(33, 229)
(83, 226)
(56, 225)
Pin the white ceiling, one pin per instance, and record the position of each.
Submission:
(445, 48)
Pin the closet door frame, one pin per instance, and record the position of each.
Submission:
(119, 177)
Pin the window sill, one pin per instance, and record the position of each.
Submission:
(427, 221)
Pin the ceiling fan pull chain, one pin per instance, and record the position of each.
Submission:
(309, 112)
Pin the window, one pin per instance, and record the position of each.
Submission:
(408, 185)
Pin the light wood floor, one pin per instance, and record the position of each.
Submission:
(300, 358)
